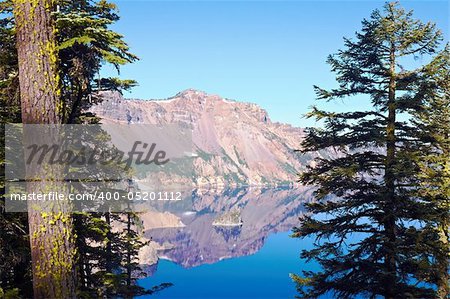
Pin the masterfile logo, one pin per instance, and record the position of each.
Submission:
(109, 160)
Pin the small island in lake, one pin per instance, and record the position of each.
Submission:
(230, 218)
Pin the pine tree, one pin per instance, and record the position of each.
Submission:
(84, 43)
(366, 217)
(130, 263)
(122, 268)
(433, 156)
(109, 247)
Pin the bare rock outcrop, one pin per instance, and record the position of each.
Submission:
(234, 143)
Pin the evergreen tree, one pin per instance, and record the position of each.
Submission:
(122, 268)
(130, 264)
(84, 43)
(433, 158)
(367, 218)
(109, 247)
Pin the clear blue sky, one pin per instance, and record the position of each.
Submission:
(267, 52)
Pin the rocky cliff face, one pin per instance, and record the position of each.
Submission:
(234, 143)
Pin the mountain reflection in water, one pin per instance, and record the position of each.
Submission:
(199, 254)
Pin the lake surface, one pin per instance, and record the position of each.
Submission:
(253, 260)
(264, 274)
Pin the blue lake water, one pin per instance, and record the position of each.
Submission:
(252, 260)
(264, 274)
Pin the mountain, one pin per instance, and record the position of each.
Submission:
(234, 143)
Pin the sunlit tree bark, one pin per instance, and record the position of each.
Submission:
(51, 240)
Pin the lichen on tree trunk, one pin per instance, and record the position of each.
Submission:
(51, 239)
(37, 55)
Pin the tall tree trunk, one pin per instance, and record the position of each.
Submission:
(129, 249)
(51, 239)
(109, 236)
(389, 178)
(80, 242)
(37, 55)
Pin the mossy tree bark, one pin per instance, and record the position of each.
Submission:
(52, 243)
(37, 57)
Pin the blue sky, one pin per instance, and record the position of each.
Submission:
(267, 52)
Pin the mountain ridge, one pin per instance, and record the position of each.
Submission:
(235, 143)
